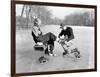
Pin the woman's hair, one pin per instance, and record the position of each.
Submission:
(36, 22)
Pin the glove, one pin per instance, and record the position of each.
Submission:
(62, 37)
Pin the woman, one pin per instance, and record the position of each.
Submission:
(48, 38)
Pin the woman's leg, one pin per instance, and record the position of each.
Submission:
(51, 46)
(47, 37)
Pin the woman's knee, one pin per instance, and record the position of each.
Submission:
(50, 33)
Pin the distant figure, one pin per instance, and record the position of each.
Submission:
(67, 40)
(48, 38)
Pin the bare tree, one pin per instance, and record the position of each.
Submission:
(82, 19)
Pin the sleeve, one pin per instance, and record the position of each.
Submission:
(71, 34)
(35, 30)
(60, 34)
(40, 32)
(39, 22)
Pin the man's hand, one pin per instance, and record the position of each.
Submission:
(61, 41)
(62, 37)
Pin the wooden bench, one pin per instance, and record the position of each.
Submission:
(39, 47)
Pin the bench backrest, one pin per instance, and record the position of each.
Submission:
(34, 37)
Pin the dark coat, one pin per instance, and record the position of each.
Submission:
(68, 32)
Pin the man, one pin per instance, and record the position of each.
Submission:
(48, 38)
(66, 39)
(67, 32)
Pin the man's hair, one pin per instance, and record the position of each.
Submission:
(62, 24)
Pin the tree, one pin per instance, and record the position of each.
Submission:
(56, 21)
(42, 13)
(82, 19)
